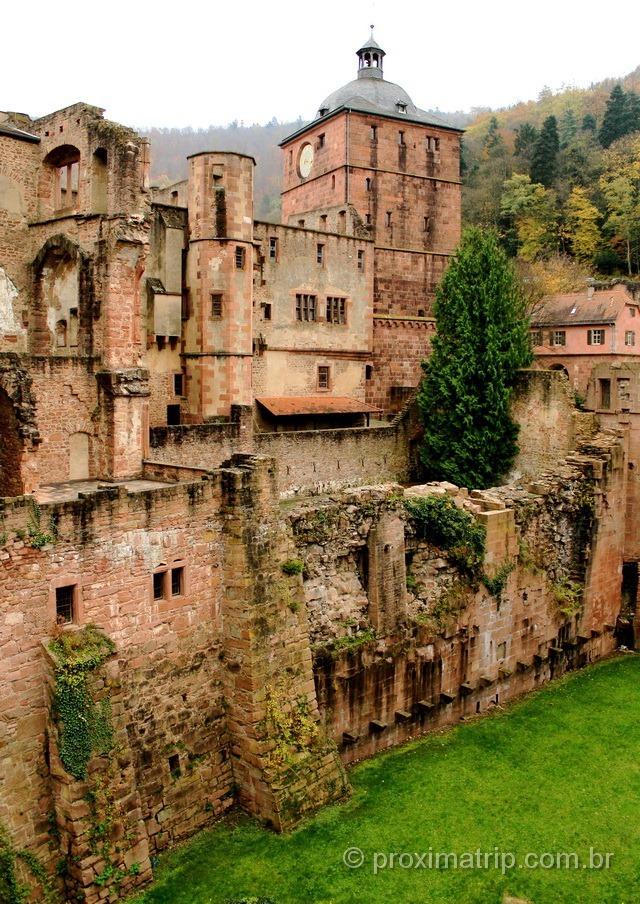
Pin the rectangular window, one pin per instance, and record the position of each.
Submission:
(324, 375)
(216, 304)
(630, 337)
(178, 384)
(388, 218)
(336, 310)
(306, 307)
(241, 255)
(360, 260)
(158, 585)
(605, 393)
(273, 248)
(320, 254)
(426, 224)
(536, 337)
(559, 337)
(321, 140)
(177, 581)
(374, 133)
(323, 222)
(401, 139)
(595, 337)
(266, 311)
(632, 311)
(301, 224)
(65, 597)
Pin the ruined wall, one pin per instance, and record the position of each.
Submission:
(452, 646)
(543, 405)
(18, 166)
(108, 546)
(308, 460)
(320, 460)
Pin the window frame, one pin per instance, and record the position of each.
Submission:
(592, 339)
(559, 338)
(320, 380)
(306, 307)
(336, 310)
(240, 257)
(629, 338)
(217, 300)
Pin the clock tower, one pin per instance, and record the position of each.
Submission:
(374, 164)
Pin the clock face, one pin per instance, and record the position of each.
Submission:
(305, 161)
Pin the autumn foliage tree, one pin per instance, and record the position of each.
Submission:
(482, 339)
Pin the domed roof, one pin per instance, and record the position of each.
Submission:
(371, 91)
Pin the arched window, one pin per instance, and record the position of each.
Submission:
(61, 334)
(61, 171)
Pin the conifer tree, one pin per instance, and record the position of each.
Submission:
(543, 165)
(615, 123)
(482, 339)
(589, 123)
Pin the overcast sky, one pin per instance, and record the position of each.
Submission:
(199, 63)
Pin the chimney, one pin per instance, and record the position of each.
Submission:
(590, 288)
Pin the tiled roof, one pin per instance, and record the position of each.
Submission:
(604, 306)
(282, 406)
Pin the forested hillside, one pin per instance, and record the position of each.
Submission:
(561, 176)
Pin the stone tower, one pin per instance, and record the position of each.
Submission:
(373, 163)
(218, 334)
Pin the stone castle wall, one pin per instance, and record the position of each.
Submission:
(436, 648)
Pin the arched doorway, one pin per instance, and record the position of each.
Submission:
(561, 369)
(10, 449)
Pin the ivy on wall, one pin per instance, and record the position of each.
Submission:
(13, 890)
(439, 521)
(85, 726)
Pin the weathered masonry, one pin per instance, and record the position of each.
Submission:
(247, 643)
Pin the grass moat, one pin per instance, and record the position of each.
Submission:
(552, 784)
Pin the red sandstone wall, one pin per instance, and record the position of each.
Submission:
(399, 348)
(110, 544)
(489, 648)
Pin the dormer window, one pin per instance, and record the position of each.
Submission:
(402, 108)
(323, 111)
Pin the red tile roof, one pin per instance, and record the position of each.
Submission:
(604, 306)
(281, 406)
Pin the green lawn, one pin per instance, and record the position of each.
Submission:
(559, 771)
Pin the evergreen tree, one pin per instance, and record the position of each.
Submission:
(543, 165)
(493, 145)
(482, 339)
(615, 123)
(568, 127)
(633, 112)
(589, 123)
(525, 143)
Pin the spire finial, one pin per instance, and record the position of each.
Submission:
(372, 27)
